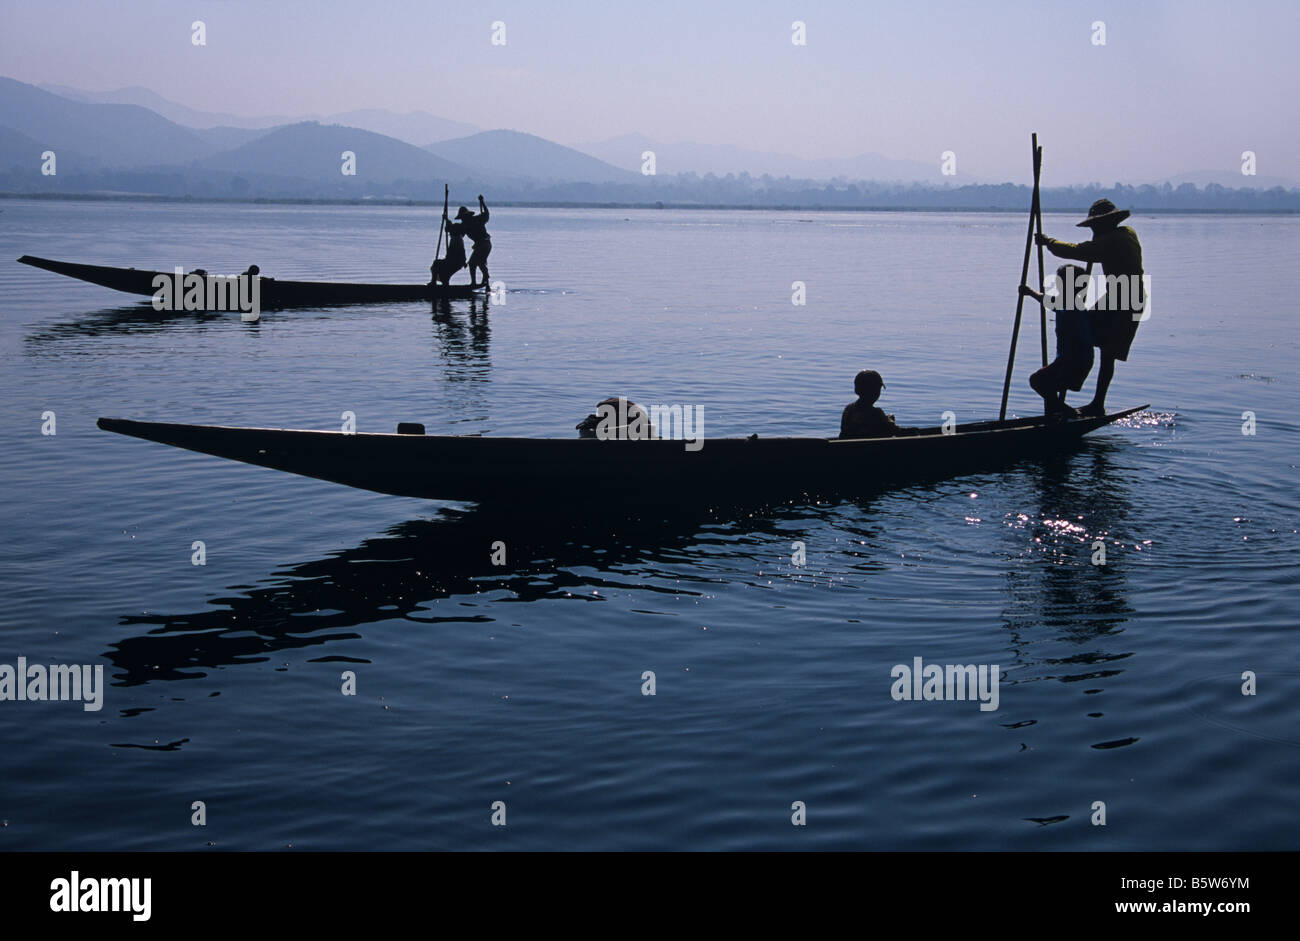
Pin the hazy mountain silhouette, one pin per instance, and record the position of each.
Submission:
(114, 148)
(413, 127)
(515, 154)
(19, 150)
(171, 110)
(311, 151)
(228, 138)
(112, 135)
(690, 157)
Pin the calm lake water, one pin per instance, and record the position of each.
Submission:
(1120, 683)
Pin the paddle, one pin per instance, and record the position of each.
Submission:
(1024, 277)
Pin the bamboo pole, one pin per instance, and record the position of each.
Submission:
(446, 192)
(1024, 275)
(1038, 228)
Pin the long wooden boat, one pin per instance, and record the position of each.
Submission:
(659, 471)
(274, 292)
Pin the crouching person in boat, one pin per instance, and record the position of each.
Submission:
(444, 268)
(1073, 341)
(1117, 313)
(617, 418)
(863, 418)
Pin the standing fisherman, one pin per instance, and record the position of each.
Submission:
(1115, 319)
(475, 225)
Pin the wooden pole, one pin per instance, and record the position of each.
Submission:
(1038, 228)
(1020, 298)
(446, 190)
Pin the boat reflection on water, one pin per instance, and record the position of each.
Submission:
(127, 320)
(401, 574)
(1064, 615)
(140, 319)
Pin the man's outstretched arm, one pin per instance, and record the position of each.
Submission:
(1079, 251)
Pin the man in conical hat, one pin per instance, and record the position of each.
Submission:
(1116, 314)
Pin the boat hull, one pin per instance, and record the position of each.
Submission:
(630, 472)
(275, 294)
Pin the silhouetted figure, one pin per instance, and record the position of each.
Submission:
(621, 419)
(476, 229)
(454, 260)
(1114, 321)
(1073, 341)
(862, 419)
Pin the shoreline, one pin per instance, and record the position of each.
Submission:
(562, 204)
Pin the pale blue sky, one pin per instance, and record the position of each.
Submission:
(1179, 86)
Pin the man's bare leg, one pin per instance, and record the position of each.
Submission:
(1105, 373)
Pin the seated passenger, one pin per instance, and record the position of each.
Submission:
(862, 419)
(617, 418)
(1073, 341)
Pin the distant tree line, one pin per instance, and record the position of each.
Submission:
(686, 189)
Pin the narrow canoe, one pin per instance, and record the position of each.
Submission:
(627, 472)
(274, 292)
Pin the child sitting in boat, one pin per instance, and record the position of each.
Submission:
(863, 419)
(1073, 341)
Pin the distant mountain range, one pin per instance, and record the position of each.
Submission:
(124, 138)
(413, 127)
(110, 135)
(314, 152)
(690, 157)
(508, 154)
(134, 141)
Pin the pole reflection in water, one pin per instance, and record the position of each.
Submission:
(1069, 602)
